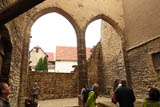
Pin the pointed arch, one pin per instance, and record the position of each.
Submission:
(26, 34)
(53, 9)
(109, 20)
(119, 31)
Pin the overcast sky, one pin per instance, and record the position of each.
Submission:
(53, 30)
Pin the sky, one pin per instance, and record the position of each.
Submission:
(53, 30)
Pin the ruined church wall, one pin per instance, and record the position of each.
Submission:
(14, 63)
(95, 68)
(112, 53)
(106, 63)
(142, 21)
(83, 11)
(53, 85)
(80, 14)
(16, 57)
(143, 73)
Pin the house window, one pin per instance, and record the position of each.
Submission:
(156, 61)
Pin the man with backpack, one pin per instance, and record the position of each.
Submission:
(91, 96)
(84, 94)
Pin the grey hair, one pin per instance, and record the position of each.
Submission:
(95, 85)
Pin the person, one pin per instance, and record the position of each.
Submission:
(115, 86)
(31, 103)
(35, 90)
(125, 96)
(83, 91)
(114, 95)
(93, 94)
(4, 92)
(154, 98)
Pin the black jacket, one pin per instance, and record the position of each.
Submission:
(125, 97)
(4, 102)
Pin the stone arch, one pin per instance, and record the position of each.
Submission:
(39, 13)
(108, 20)
(119, 31)
(5, 54)
(26, 34)
(57, 10)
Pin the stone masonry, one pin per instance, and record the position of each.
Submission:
(112, 56)
(53, 85)
(95, 68)
(144, 75)
(130, 25)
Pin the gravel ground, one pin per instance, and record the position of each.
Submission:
(67, 102)
(73, 102)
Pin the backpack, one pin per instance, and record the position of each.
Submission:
(86, 94)
(114, 98)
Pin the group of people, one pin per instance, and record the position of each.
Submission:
(123, 96)
(5, 90)
(89, 95)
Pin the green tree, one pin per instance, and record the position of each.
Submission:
(45, 63)
(42, 64)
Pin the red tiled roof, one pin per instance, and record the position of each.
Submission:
(68, 53)
(37, 46)
(50, 56)
(88, 52)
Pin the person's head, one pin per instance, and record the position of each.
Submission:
(35, 83)
(4, 90)
(116, 81)
(123, 82)
(119, 85)
(85, 86)
(95, 87)
(154, 94)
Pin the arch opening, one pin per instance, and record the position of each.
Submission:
(59, 43)
(110, 51)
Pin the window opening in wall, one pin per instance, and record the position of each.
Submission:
(156, 61)
(92, 36)
(53, 43)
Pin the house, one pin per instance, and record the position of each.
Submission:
(66, 58)
(36, 53)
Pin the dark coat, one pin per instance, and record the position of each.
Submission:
(4, 102)
(125, 97)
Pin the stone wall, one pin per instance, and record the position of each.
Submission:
(142, 21)
(95, 68)
(80, 14)
(15, 31)
(12, 64)
(53, 85)
(112, 56)
(142, 70)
